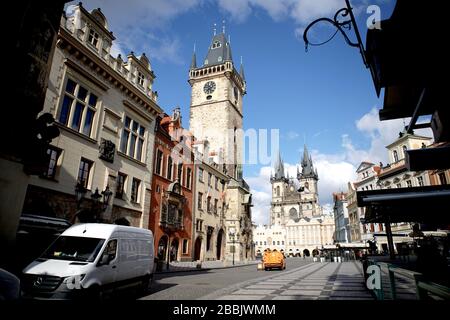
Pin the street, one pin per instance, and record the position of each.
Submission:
(302, 279)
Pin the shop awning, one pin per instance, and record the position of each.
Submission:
(428, 204)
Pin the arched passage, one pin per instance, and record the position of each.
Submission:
(197, 248)
(162, 248)
(174, 250)
(220, 244)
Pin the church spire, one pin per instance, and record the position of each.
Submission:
(308, 170)
(279, 168)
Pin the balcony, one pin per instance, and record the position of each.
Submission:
(171, 220)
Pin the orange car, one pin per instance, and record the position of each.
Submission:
(273, 259)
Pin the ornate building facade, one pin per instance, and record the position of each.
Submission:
(105, 109)
(295, 210)
(173, 186)
(216, 115)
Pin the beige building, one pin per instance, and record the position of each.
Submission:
(209, 235)
(354, 214)
(269, 238)
(105, 109)
(396, 175)
(216, 115)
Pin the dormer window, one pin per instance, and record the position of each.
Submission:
(141, 79)
(93, 37)
(216, 44)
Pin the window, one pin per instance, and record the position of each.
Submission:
(442, 178)
(420, 181)
(199, 225)
(278, 191)
(215, 45)
(404, 148)
(180, 172)
(135, 190)
(216, 202)
(208, 204)
(53, 154)
(278, 243)
(399, 185)
(209, 179)
(140, 79)
(84, 172)
(120, 185)
(132, 140)
(158, 167)
(169, 167)
(408, 183)
(185, 246)
(273, 242)
(200, 174)
(93, 37)
(188, 178)
(395, 156)
(200, 200)
(78, 108)
(216, 183)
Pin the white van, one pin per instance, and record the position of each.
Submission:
(89, 260)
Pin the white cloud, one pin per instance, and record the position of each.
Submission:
(292, 135)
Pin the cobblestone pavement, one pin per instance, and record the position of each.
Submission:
(315, 281)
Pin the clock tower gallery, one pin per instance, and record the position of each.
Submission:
(216, 104)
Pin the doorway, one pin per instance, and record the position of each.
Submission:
(197, 248)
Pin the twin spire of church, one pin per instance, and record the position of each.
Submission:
(308, 170)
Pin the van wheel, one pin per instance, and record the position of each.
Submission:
(146, 284)
(96, 293)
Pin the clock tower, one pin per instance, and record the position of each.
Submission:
(216, 112)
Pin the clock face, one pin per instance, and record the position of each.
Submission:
(209, 87)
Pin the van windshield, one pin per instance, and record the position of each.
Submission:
(74, 249)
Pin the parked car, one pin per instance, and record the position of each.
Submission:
(89, 260)
(274, 259)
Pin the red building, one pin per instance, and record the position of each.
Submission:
(172, 190)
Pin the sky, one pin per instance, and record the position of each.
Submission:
(324, 97)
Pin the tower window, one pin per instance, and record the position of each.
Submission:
(216, 44)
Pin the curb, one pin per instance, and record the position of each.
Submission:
(205, 269)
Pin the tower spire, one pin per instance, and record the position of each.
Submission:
(223, 26)
(194, 60)
(215, 25)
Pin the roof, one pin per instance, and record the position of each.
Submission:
(219, 51)
(100, 230)
(308, 170)
(365, 165)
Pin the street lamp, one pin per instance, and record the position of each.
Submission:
(106, 196)
(80, 191)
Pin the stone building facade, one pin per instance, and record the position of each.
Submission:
(209, 236)
(341, 218)
(105, 109)
(173, 185)
(216, 115)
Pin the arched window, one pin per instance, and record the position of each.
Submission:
(278, 191)
(395, 156)
(404, 151)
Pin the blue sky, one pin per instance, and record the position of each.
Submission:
(324, 96)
